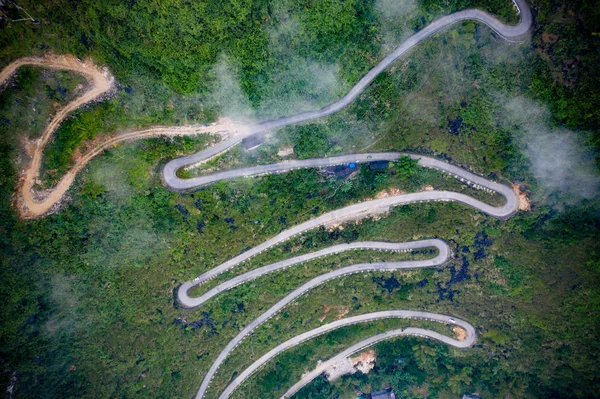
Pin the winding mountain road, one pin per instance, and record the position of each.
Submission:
(337, 216)
(364, 318)
(419, 332)
(508, 32)
(191, 302)
(344, 214)
(31, 203)
(444, 253)
(102, 82)
(367, 208)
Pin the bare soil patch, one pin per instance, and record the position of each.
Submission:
(524, 204)
(548, 37)
(286, 151)
(460, 333)
(365, 361)
(389, 193)
(31, 203)
(341, 312)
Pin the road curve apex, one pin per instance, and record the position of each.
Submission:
(187, 301)
(364, 318)
(506, 31)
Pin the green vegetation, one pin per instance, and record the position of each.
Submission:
(89, 292)
(40, 94)
(319, 50)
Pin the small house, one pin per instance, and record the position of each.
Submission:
(382, 394)
(339, 171)
(252, 142)
(379, 165)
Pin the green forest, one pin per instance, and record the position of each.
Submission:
(89, 290)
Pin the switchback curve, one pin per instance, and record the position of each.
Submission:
(191, 302)
(364, 318)
(506, 31)
(419, 332)
(441, 258)
(367, 208)
(170, 178)
(338, 216)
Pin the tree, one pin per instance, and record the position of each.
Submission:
(380, 178)
(346, 186)
(406, 167)
(400, 383)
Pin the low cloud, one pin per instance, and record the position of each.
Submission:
(560, 162)
(560, 159)
(228, 96)
(297, 83)
(292, 83)
(64, 305)
(110, 174)
(394, 16)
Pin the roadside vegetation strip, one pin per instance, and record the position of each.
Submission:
(368, 208)
(412, 331)
(286, 166)
(440, 259)
(190, 302)
(365, 318)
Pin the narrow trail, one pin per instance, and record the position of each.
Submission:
(101, 83)
(31, 203)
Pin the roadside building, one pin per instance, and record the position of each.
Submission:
(383, 394)
(379, 165)
(339, 171)
(252, 142)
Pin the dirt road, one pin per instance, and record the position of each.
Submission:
(31, 203)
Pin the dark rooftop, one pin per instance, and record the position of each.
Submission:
(383, 394)
(252, 142)
(379, 165)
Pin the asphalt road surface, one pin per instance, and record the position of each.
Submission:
(369, 208)
(350, 212)
(365, 318)
(443, 248)
(509, 32)
(442, 257)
